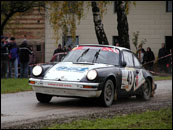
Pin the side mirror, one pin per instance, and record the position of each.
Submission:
(124, 64)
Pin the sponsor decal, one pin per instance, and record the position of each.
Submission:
(137, 80)
(59, 85)
(102, 48)
(110, 49)
(77, 48)
(72, 69)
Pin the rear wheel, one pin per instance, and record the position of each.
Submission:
(107, 95)
(146, 90)
(43, 98)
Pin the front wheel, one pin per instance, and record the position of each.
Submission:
(107, 95)
(43, 98)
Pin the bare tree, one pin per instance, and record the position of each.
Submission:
(122, 24)
(10, 8)
(100, 33)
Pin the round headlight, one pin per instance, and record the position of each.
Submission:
(37, 70)
(92, 74)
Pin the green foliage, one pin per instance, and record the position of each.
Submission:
(161, 119)
(135, 40)
(64, 15)
(14, 85)
(157, 78)
(127, 6)
(103, 7)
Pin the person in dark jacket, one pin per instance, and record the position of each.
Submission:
(162, 61)
(13, 57)
(149, 59)
(58, 50)
(169, 65)
(24, 52)
(4, 57)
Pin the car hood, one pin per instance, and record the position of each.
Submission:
(67, 71)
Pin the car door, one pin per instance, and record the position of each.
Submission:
(139, 78)
(128, 75)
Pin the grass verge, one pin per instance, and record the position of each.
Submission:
(20, 85)
(14, 85)
(158, 119)
(157, 78)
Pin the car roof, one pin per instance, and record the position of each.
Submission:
(98, 45)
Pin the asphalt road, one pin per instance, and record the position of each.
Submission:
(20, 110)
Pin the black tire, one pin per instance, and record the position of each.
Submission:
(43, 98)
(146, 91)
(108, 93)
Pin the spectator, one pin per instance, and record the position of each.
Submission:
(58, 50)
(13, 57)
(117, 44)
(32, 61)
(69, 48)
(4, 57)
(162, 61)
(169, 65)
(149, 56)
(24, 52)
(141, 55)
(64, 49)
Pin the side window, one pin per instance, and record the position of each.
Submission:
(136, 62)
(128, 58)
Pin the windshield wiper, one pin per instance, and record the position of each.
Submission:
(83, 54)
(96, 55)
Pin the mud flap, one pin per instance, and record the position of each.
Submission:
(115, 95)
(154, 87)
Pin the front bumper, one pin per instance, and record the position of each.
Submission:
(63, 88)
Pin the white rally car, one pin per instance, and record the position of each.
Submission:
(101, 71)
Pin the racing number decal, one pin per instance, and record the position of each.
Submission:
(139, 80)
(130, 78)
(127, 79)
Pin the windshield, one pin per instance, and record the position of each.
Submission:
(103, 55)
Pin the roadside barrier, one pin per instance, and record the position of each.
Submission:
(157, 59)
(154, 61)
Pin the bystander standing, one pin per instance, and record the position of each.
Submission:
(141, 55)
(4, 57)
(117, 44)
(64, 49)
(162, 61)
(13, 57)
(24, 52)
(58, 50)
(69, 48)
(149, 59)
(169, 65)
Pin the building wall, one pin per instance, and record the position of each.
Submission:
(30, 26)
(148, 17)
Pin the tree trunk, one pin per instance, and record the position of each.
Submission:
(122, 25)
(101, 36)
(5, 22)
